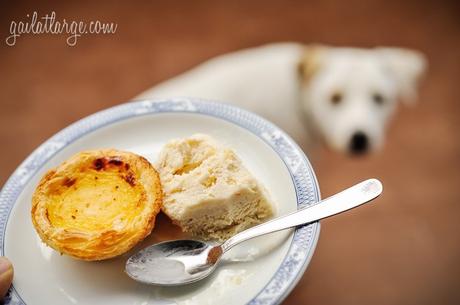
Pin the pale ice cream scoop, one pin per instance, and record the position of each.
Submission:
(208, 191)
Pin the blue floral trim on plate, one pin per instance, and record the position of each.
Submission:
(306, 186)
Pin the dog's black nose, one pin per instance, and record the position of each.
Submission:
(359, 143)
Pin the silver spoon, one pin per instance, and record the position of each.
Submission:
(180, 262)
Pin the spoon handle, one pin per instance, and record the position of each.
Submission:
(348, 199)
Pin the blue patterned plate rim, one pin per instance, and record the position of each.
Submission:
(305, 238)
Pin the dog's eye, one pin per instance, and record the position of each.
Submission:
(336, 98)
(378, 98)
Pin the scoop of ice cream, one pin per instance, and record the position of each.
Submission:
(207, 190)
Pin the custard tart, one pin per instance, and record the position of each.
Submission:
(98, 204)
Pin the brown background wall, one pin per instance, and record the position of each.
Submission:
(403, 250)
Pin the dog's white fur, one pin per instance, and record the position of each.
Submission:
(339, 91)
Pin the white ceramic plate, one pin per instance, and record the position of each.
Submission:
(262, 271)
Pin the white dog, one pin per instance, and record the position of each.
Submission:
(345, 95)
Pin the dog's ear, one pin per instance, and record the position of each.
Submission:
(310, 62)
(407, 67)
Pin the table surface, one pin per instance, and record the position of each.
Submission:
(403, 250)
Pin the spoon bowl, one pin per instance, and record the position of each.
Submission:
(168, 262)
